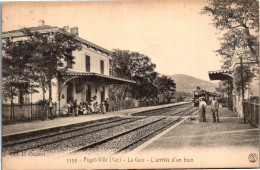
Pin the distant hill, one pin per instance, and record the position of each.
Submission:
(189, 84)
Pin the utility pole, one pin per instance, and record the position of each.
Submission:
(31, 104)
(228, 93)
(242, 85)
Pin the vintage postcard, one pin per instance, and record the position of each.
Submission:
(130, 84)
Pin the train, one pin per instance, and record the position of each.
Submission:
(200, 93)
(203, 93)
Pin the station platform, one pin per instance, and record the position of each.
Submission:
(190, 135)
(36, 125)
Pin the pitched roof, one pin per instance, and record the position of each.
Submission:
(47, 28)
(31, 28)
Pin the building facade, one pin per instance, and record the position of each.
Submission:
(234, 94)
(87, 78)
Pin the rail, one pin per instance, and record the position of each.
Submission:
(251, 111)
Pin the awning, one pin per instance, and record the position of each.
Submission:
(95, 77)
(221, 75)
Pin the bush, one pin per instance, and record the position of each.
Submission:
(41, 102)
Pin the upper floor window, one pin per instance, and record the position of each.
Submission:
(69, 63)
(87, 63)
(69, 59)
(101, 66)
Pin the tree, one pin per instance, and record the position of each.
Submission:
(181, 96)
(135, 66)
(239, 19)
(166, 86)
(17, 70)
(222, 88)
(50, 52)
(34, 61)
(247, 77)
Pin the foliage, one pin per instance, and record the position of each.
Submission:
(138, 67)
(166, 86)
(51, 50)
(135, 66)
(181, 96)
(247, 77)
(17, 69)
(41, 102)
(239, 21)
(222, 87)
(35, 59)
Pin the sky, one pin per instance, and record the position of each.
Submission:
(173, 33)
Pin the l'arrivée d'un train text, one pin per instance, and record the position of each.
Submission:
(128, 159)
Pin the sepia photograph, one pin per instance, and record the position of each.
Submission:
(126, 84)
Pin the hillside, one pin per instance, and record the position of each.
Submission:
(188, 83)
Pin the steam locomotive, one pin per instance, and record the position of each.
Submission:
(200, 93)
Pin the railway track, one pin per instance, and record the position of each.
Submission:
(123, 142)
(112, 135)
(169, 111)
(14, 147)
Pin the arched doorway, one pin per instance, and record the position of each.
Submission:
(102, 93)
(69, 91)
(88, 93)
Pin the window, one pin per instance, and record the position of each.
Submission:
(69, 59)
(21, 97)
(87, 63)
(101, 66)
(69, 63)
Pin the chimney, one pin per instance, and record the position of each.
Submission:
(67, 28)
(41, 22)
(74, 31)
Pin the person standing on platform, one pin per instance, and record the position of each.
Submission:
(50, 106)
(68, 107)
(106, 104)
(102, 107)
(71, 107)
(214, 109)
(202, 108)
(75, 108)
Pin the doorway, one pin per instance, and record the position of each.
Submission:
(69, 92)
(102, 93)
(88, 93)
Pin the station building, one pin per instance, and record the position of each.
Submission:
(234, 96)
(87, 77)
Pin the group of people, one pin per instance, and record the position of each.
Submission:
(84, 108)
(214, 110)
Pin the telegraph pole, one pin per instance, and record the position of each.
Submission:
(242, 85)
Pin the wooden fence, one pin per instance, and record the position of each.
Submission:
(25, 112)
(114, 106)
(37, 111)
(251, 111)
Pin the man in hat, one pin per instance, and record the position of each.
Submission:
(214, 109)
(202, 108)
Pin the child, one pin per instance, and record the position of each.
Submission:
(102, 109)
